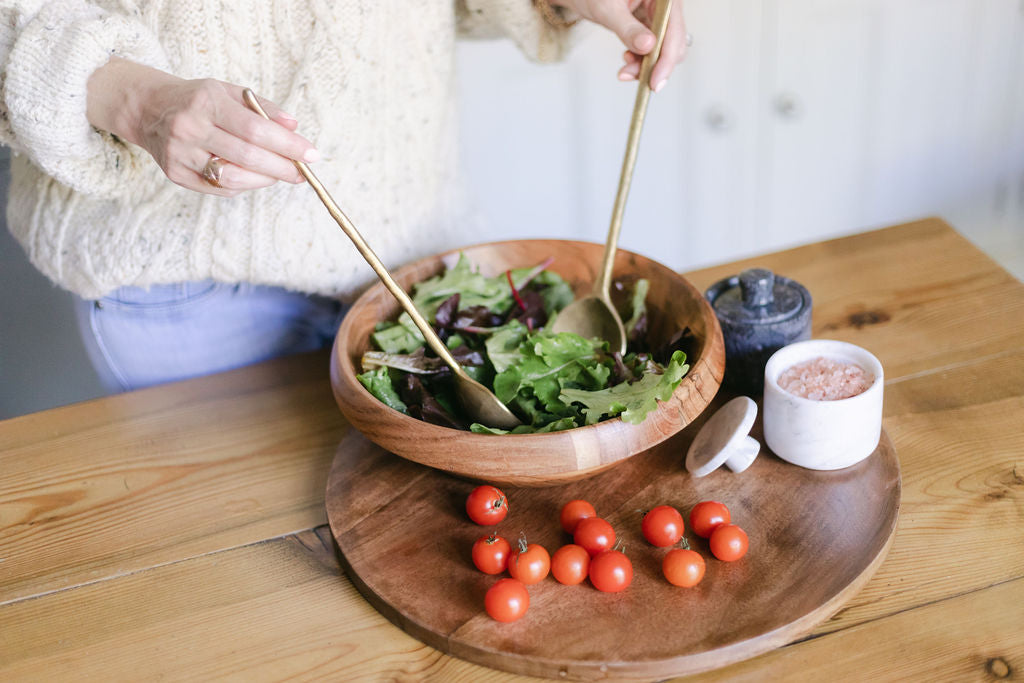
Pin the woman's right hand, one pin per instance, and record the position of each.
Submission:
(182, 123)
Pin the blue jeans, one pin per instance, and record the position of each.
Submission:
(140, 337)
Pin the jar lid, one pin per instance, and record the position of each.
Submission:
(758, 297)
(724, 439)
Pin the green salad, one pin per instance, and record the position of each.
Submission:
(495, 329)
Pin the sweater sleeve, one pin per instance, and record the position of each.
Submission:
(48, 51)
(518, 20)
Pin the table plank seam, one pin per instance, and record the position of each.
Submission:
(119, 575)
(888, 615)
(889, 381)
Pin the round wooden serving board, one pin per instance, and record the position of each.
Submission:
(815, 540)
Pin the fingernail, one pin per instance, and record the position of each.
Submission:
(286, 115)
(625, 77)
(311, 155)
(660, 85)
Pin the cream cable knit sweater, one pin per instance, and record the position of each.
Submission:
(370, 81)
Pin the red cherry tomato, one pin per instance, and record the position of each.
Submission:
(728, 542)
(707, 515)
(507, 600)
(573, 512)
(570, 564)
(611, 571)
(663, 526)
(683, 567)
(529, 563)
(594, 535)
(490, 554)
(486, 505)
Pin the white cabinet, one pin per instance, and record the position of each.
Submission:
(814, 107)
(790, 121)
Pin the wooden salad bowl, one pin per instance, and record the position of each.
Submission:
(533, 459)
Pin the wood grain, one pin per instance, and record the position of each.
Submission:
(286, 613)
(534, 459)
(829, 530)
(109, 487)
(975, 636)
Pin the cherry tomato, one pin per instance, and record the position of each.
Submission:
(490, 554)
(663, 526)
(707, 515)
(486, 505)
(507, 600)
(573, 512)
(570, 564)
(529, 562)
(594, 535)
(683, 567)
(728, 542)
(611, 571)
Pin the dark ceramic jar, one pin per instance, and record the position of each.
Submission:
(759, 313)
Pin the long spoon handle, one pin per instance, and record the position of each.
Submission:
(659, 25)
(347, 226)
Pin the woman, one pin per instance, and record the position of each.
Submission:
(135, 157)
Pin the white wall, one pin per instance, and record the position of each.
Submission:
(791, 121)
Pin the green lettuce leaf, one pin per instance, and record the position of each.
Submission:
(549, 360)
(503, 346)
(556, 426)
(397, 338)
(638, 305)
(378, 382)
(473, 289)
(633, 401)
(557, 295)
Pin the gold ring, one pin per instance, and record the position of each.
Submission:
(213, 170)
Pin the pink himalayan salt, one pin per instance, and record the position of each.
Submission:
(825, 379)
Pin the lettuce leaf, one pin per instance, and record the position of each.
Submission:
(633, 401)
(546, 361)
(396, 338)
(503, 345)
(475, 289)
(556, 426)
(378, 382)
(638, 305)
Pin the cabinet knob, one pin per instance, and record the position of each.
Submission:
(787, 106)
(718, 119)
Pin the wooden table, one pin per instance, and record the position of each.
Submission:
(180, 531)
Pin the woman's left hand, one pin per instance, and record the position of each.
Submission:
(630, 21)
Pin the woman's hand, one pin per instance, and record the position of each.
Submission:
(629, 20)
(183, 123)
